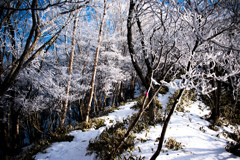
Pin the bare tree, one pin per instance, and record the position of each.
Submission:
(88, 107)
(36, 41)
(28, 29)
(70, 66)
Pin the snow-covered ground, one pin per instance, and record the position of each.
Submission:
(199, 142)
(185, 128)
(76, 150)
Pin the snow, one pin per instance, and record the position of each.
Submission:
(118, 115)
(155, 82)
(185, 128)
(76, 149)
(199, 142)
(163, 98)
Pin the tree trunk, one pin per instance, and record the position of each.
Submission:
(65, 104)
(152, 108)
(215, 113)
(15, 127)
(132, 87)
(120, 96)
(70, 114)
(96, 108)
(30, 128)
(81, 106)
(4, 129)
(102, 101)
(118, 88)
(115, 87)
(88, 109)
(146, 79)
(135, 121)
(176, 102)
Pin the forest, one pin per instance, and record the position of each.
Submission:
(64, 62)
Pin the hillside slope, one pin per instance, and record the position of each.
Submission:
(198, 141)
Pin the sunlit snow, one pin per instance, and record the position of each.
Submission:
(199, 142)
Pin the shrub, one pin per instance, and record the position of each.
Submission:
(186, 99)
(106, 111)
(86, 125)
(98, 123)
(145, 118)
(234, 148)
(213, 127)
(228, 112)
(143, 123)
(171, 143)
(108, 140)
(164, 90)
(235, 136)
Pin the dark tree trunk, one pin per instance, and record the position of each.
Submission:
(177, 100)
(115, 88)
(132, 86)
(15, 127)
(152, 108)
(215, 110)
(120, 95)
(70, 113)
(96, 106)
(5, 135)
(81, 106)
(4, 130)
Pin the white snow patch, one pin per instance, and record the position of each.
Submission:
(185, 128)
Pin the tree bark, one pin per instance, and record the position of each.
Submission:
(88, 109)
(135, 121)
(30, 52)
(215, 111)
(152, 108)
(176, 102)
(115, 87)
(145, 79)
(132, 86)
(70, 113)
(15, 127)
(65, 104)
(120, 96)
(96, 102)
(5, 130)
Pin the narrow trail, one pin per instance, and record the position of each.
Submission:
(76, 150)
(197, 140)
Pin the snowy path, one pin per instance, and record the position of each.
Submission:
(76, 150)
(184, 127)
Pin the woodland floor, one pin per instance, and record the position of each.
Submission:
(198, 140)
